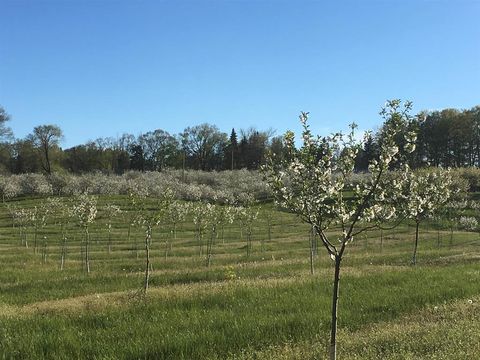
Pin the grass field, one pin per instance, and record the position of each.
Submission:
(265, 306)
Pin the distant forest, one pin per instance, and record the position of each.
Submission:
(449, 138)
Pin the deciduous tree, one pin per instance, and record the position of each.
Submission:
(315, 182)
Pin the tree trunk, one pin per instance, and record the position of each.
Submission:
(312, 270)
(333, 334)
(62, 258)
(47, 159)
(249, 242)
(269, 231)
(87, 251)
(414, 259)
(128, 233)
(35, 233)
(199, 237)
(210, 248)
(147, 258)
(381, 240)
(63, 247)
(451, 236)
(23, 237)
(44, 250)
(167, 246)
(183, 167)
(312, 251)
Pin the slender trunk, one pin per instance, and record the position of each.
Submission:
(451, 235)
(167, 244)
(64, 250)
(183, 167)
(35, 232)
(128, 232)
(87, 251)
(210, 247)
(109, 241)
(381, 240)
(438, 238)
(312, 251)
(333, 333)
(414, 259)
(147, 259)
(199, 241)
(47, 160)
(249, 241)
(44, 250)
(312, 270)
(269, 230)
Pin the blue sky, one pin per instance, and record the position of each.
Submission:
(102, 68)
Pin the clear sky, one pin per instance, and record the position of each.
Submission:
(102, 68)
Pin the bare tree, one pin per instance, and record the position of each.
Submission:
(5, 132)
(45, 137)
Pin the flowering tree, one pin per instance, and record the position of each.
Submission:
(313, 181)
(268, 216)
(468, 223)
(452, 211)
(132, 216)
(424, 193)
(12, 211)
(148, 219)
(9, 187)
(64, 213)
(38, 219)
(225, 215)
(200, 221)
(174, 214)
(247, 215)
(21, 217)
(85, 212)
(212, 214)
(111, 211)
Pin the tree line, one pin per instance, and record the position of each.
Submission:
(446, 138)
(449, 138)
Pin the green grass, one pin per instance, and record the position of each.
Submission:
(266, 306)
